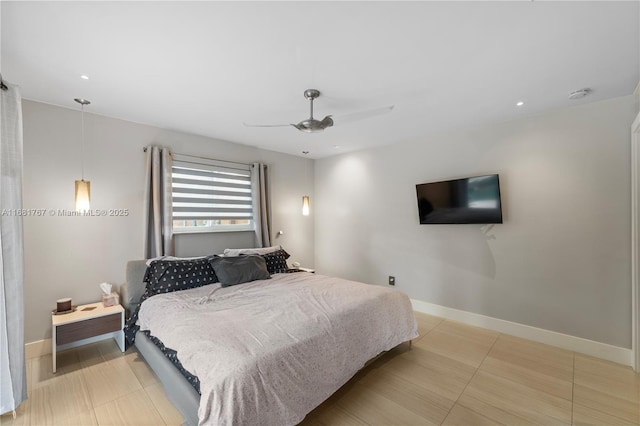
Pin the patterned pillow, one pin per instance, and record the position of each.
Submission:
(165, 276)
(276, 261)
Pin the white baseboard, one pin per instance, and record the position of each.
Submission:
(577, 344)
(37, 349)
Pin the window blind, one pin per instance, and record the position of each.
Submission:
(216, 191)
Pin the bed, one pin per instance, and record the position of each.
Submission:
(267, 351)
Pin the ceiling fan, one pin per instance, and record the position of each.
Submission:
(311, 125)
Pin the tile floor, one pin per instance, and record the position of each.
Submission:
(95, 385)
(452, 374)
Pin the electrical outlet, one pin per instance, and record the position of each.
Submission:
(392, 280)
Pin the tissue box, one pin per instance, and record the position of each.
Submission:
(110, 299)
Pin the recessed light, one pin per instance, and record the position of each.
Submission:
(84, 77)
(520, 103)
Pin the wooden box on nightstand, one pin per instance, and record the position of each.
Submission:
(87, 324)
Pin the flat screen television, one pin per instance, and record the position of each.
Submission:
(469, 200)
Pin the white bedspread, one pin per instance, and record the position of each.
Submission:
(270, 351)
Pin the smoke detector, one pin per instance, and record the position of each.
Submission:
(579, 93)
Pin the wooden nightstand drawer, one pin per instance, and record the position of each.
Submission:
(88, 328)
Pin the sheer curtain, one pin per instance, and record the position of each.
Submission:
(13, 386)
(260, 196)
(158, 226)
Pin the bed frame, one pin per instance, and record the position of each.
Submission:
(179, 391)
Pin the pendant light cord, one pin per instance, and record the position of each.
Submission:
(82, 141)
(306, 172)
(82, 103)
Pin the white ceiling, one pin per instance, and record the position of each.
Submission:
(207, 67)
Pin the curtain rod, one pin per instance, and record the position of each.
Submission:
(2, 85)
(203, 158)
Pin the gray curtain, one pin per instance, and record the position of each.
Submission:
(13, 386)
(158, 226)
(261, 214)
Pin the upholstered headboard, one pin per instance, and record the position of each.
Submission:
(132, 289)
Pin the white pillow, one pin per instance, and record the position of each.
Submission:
(260, 250)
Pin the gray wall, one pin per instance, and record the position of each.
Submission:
(561, 260)
(70, 256)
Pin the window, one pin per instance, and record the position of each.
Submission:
(210, 195)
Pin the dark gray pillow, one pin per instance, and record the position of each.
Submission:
(241, 269)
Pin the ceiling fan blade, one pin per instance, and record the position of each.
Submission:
(327, 121)
(267, 125)
(355, 116)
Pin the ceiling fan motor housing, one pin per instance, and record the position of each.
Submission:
(313, 126)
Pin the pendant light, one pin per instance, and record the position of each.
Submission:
(305, 198)
(83, 187)
(305, 205)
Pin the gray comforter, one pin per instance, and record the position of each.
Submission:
(270, 351)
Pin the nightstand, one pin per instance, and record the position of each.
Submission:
(87, 324)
